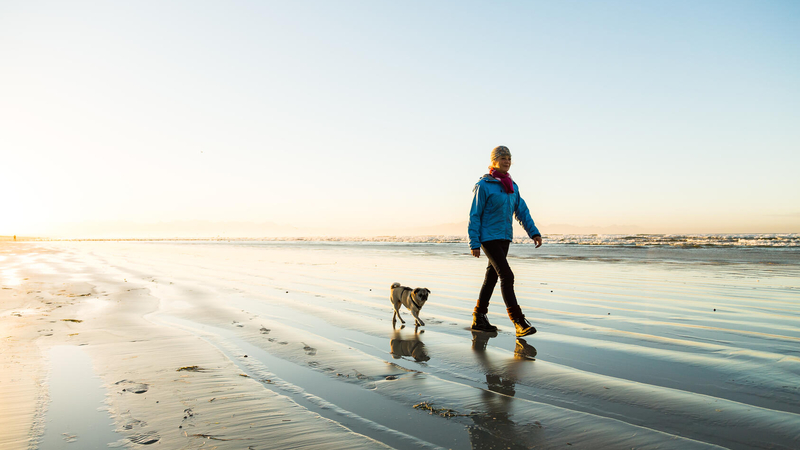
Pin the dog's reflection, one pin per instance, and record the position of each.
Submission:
(493, 428)
(411, 346)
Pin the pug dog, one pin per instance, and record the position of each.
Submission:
(412, 299)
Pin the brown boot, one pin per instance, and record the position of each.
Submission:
(480, 322)
(524, 328)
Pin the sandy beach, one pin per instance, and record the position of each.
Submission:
(276, 345)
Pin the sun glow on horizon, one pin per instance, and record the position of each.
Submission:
(338, 120)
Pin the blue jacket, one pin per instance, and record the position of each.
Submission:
(490, 215)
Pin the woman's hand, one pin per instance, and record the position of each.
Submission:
(476, 252)
(538, 241)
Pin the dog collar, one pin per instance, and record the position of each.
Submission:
(411, 298)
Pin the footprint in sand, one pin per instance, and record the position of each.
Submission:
(151, 437)
(134, 423)
(188, 414)
(188, 417)
(264, 330)
(310, 351)
(240, 325)
(132, 386)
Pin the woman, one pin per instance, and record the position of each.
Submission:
(496, 198)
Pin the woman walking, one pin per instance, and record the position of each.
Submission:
(496, 199)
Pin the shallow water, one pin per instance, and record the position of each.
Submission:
(76, 415)
(644, 348)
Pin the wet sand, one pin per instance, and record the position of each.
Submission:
(291, 345)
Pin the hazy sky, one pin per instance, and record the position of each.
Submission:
(667, 116)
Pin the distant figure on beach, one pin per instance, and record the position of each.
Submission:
(15, 237)
(496, 199)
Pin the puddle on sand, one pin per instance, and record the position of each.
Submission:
(76, 417)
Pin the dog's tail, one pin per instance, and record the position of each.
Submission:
(395, 285)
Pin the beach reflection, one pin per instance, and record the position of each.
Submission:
(412, 346)
(11, 277)
(493, 427)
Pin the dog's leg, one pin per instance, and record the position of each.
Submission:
(397, 314)
(417, 320)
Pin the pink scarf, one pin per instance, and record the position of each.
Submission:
(505, 179)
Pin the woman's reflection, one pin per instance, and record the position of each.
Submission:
(493, 427)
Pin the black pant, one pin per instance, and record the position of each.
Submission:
(496, 252)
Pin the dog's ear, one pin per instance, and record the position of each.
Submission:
(429, 291)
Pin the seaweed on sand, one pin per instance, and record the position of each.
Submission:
(444, 412)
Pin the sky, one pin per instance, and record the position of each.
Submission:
(377, 117)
